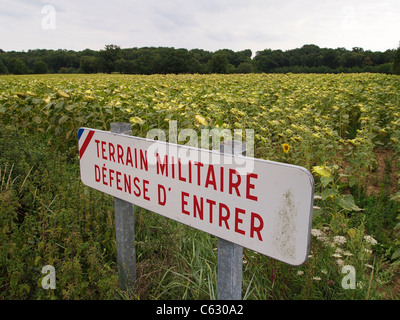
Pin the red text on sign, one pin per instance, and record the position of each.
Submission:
(220, 213)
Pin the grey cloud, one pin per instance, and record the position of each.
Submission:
(206, 24)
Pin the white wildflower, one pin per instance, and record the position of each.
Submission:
(319, 235)
(368, 251)
(340, 262)
(339, 250)
(370, 240)
(316, 233)
(339, 240)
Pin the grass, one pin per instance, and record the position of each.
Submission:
(50, 218)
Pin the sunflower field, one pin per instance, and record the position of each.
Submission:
(344, 128)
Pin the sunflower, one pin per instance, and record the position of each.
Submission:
(200, 119)
(323, 171)
(285, 148)
(136, 120)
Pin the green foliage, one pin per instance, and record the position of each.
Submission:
(396, 229)
(3, 68)
(164, 60)
(89, 64)
(40, 67)
(17, 66)
(109, 56)
(219, 63)
(336, 124)
(396, 62)
(49, 217)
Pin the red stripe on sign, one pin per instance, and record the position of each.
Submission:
(86, 143)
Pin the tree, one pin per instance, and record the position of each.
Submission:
(219, 63)
(357, 49)
(351, 59)
(17, 66)
(196, 67)
(310, 55)
(330, 58)
(264, 61)
(173, 60)
(89, 64)
(149, 61)
(245, 67)
(110, 55)
(198, 60)
(396, 62)
(367, 62)
(3, 68)
(40, 67)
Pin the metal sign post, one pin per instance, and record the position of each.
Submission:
(125, 229)
(230, 255)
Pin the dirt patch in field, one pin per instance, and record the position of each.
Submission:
(385, 175)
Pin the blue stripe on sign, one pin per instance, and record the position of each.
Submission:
(80, 132)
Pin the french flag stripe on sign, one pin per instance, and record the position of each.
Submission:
(84, 138)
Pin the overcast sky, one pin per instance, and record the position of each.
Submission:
(204, 24)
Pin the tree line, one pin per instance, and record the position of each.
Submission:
(163, 60)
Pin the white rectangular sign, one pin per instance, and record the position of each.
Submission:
(261, 205)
